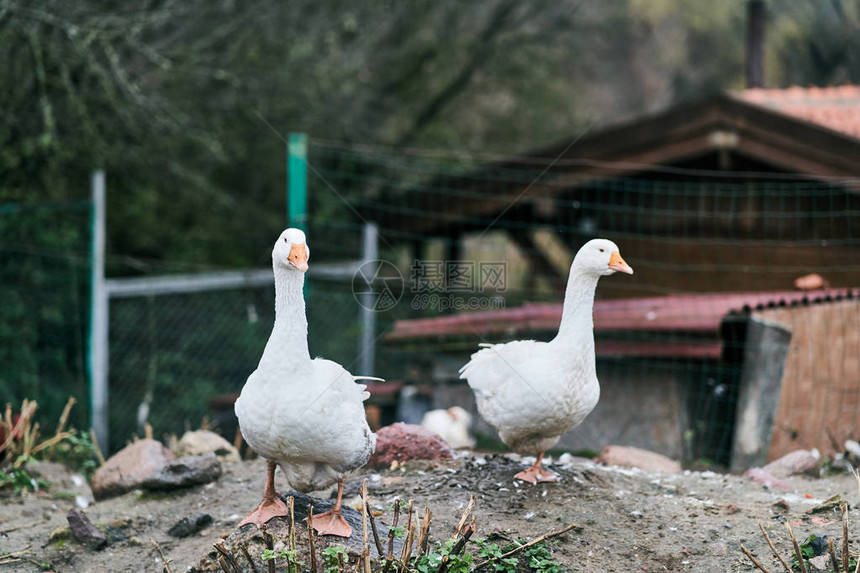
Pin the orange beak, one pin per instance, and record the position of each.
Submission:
(298, 257)
(616, 263)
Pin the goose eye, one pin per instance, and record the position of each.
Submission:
(602, 251)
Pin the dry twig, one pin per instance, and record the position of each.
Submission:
(165, 562)
(845, 556)
(99, 455)
(365, 548)
(228, 556)
(831, 549)
(466, 513)
(753, 559)
(424, 540)
(311, 538)
(270, 545)
(373, 528)
(772, 548)
(244, 547)
(797, 551)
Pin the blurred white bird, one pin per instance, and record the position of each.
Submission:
(452, 424)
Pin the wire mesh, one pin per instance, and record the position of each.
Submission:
(711, 252)
(44, 307)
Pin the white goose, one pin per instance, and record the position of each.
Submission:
(533, 392)
(303, 415)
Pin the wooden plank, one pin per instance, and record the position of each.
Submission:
(765, 350)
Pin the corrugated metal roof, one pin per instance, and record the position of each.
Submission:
(837, 107)
(695, 316)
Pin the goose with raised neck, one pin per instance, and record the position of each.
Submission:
(533, 392)
(304, 416)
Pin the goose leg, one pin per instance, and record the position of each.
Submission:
(271, 506)
(332, 521)
(536, 473)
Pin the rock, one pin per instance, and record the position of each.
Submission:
(401, 442)
(569, 459)
(820, 563)
(63, 481)
(204, 441)
(354, 543)
(184, 472)
(84, 530)
(831, 504)
(630, 457)
(853, 448)
(190, 525)
(796, 463)
(781, 506)
(763, 477)
(718, 549)
(129, 467)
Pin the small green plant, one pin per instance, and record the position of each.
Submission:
(488, 551)
(398, 503)
(431, 561)
(540, 559)
(333, 558)
(290, 556)
(77, 452)
(20, 481)
(398, 532)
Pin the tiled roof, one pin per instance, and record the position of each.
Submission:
(695, 316)
(837, 108)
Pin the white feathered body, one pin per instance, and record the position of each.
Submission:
(307, 415)
(310, 420)
(533, 392)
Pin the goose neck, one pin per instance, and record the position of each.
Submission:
(577, 320)
(290, 332)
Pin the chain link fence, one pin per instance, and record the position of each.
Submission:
(673, 341)
(44, 307)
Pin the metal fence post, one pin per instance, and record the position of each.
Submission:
(297, 180)
(98, 340)
(367, 342)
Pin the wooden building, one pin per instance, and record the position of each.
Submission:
(719, 206)
(747, 189)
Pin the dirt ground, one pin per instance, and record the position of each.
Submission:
(629, 520)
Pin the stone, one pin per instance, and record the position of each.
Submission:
(759, 475)
(184, 472)
(631, 457)
(718, 549)
(128, 468)
(203, 441)
(820, 563)
(190, 525)
(401, 442)
(796, 463)
(84, 530)
(63, 480)
(830, 505)
(355, 543)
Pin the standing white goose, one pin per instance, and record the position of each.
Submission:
(533, 392)
(303, 415)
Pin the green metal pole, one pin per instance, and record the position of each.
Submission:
(297, 181)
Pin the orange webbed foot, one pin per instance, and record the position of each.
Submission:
(332, 523)
(266, 511)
